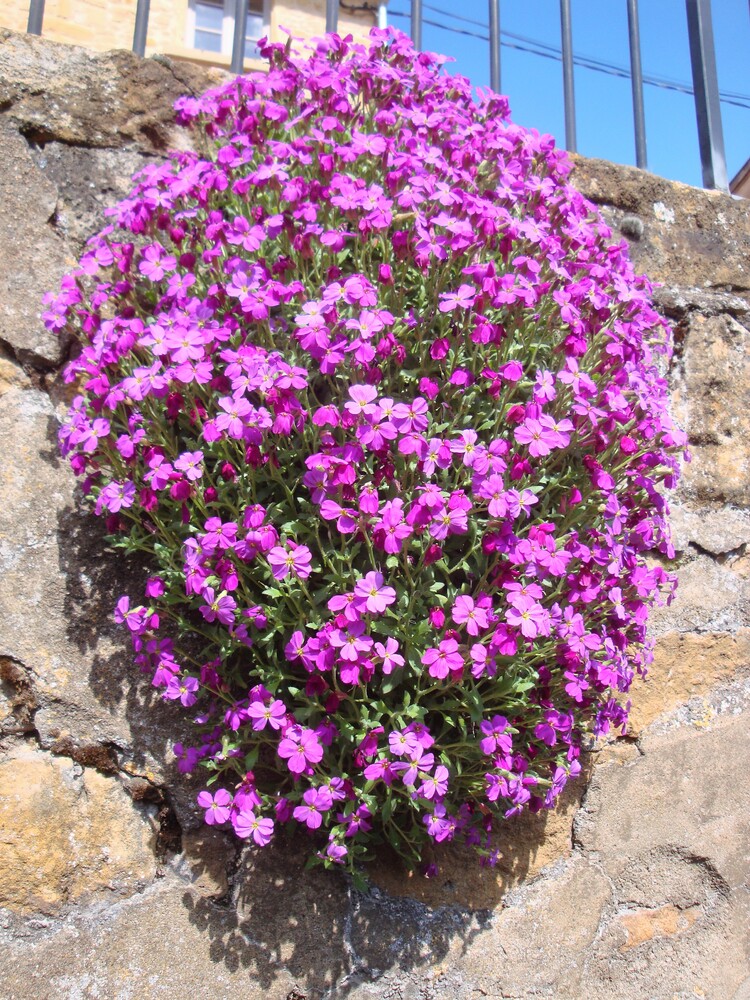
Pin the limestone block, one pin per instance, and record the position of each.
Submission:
(105, 100)
(716, 531)
(683, 796)
(58, 586)
(687, 665)
(690, 237)
(67, 832)
(710, 597)
(32, 254)
(711, 401)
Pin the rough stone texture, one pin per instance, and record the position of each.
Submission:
(688, 666)
(32, 255)
(109, 886)
(687, 237)
(65, 832)
(712, 398)
(113, 100)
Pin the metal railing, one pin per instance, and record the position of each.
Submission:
(703, 64)
(702, 59)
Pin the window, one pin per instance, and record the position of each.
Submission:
(210, 26)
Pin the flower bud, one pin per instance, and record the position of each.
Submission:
(437, 617)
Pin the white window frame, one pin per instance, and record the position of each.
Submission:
(227, 28)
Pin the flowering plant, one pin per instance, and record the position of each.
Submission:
(367, 383)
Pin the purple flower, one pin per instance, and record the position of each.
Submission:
(217, 806)
(285, 561)
(371, 592)
(182, 688)
(134, 618)
(444, 659)
(300, 752)
(317, 801)
(218, 607)
(247, 824)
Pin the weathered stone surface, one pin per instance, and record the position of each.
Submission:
(12, 376)
(682, 799)
(664, 921)
(691, 237)
(58, 586)
(65, 832)
(105, 100)
(717, 532)
(32, 254)
(687, 665)
(527, 843)
(520, 953)
(87, 181)
(207, 857)
(676, 303)
(711, 400)
(155, 947)
(710, 598)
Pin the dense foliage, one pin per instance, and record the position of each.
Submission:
(369, 384)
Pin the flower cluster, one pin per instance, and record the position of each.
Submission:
(369, 384)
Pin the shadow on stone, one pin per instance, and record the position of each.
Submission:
(269, 916)
(313, 925)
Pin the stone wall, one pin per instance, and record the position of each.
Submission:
(109, 885)
(108, 24)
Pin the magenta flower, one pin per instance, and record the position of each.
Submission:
(466, 612)
(540, 439)
(263, 715)
(317, 801)
(444, 659)
(371, 592)
(462, 298)
(190, 463)
(389, 654)
(301, 751)
(247, 824)
(403, 743)
(295, 560)
(362, 401)
(435, 785)
(217, 806)
(351, 642)
(530, 617)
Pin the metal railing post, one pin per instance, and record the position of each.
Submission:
(495, 45)
(36, 17)
(706, 92)
(566, 36)
(636, 81)
(141, 27)
(238, 39)
(416, 24)
(332, 15)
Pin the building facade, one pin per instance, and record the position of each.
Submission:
(197, 30)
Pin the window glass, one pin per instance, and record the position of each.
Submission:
(208, 19)
(254, 27)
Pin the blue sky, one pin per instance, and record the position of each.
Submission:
(603, 102)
